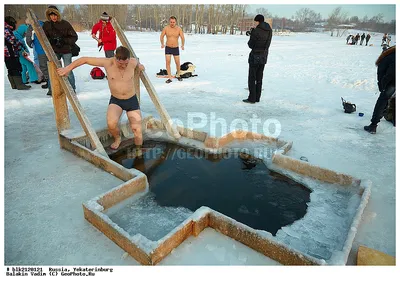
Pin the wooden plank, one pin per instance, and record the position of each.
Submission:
(59, 100)
(136, 83)
(368, 256)
(271, 249)
(165, 118)
(98, 160)
(66, 86)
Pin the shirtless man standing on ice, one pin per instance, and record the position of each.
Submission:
(120, 72)
(173, 32)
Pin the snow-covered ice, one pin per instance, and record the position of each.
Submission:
(304, 79)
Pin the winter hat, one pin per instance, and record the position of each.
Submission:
(10, 21)
(104, 16)
(53, 10)
(259, 18)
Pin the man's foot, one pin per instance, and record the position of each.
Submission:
(49, 93)
(168, 81)
(37, 82)
(46, 85)
(248, 101)
(371, 128)
(179, 79)
(116, 143)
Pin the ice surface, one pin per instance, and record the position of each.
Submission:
(142, 215)
(304, 78)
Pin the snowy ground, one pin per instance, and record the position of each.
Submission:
(304, 79)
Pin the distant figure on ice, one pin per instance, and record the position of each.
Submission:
(120, 72)
(362, 39)
(62, 37)
(357, 38)
(386, 83)
(259, 42)
(107, 36)
(12, 47)
(353, 40)
(26, 63)
(173, 32)
(348, 38)
(389, 39)
(367, 39)
(384, 39)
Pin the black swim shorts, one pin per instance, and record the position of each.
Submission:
(172, 51)
(129, 104)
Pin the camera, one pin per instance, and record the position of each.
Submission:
(58, 42)
(248, 33)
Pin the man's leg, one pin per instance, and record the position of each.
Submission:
(135, 121)
(114, 112)
(259, 78)
(168, 65)
(67, 58)
(381, 104)
(43, 68)
(252, 83)
(178, 65)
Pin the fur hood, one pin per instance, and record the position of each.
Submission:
(53, 9)
(385, 53)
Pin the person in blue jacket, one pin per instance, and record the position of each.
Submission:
(34, 43)
(27, 65)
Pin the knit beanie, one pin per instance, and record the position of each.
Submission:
(104, 16)
(259, 18)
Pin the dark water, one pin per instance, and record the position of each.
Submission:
(238, 186)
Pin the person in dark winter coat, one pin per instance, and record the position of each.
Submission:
(367, 39)
(386, 83)
(37, 47)
(107, 35)
(259, 42)
(357, 38)
(362, 39)
(62, 37)
(12, 48)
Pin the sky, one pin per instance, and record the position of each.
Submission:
(288, 10)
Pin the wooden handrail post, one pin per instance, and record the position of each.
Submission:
(59, 100)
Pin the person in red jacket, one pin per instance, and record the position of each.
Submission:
(107, 36)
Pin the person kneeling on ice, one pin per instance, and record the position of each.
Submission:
(120, 72)
(386, 83)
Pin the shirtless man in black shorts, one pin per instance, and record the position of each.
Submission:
(173, 32)
(120, 72)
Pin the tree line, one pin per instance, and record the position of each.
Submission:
(200, 18)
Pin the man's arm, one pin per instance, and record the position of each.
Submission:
(182, 39)
(138, 64)
(93, 61)
(162, 37)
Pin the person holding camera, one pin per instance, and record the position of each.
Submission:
(62, 37)
(259, 42)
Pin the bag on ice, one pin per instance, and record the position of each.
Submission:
(348, 106)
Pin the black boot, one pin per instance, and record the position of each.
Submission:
(371, 128)
(49, 92)
(11, 80)
(248, 101)
(19, 84)
(46, 85)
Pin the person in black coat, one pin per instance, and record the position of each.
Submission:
(259, 42)
(62, 38)
(367, 39)
(386, 83)
(362, 39)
